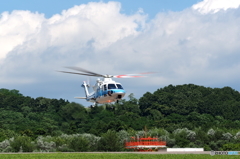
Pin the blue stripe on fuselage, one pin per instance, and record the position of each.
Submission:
(118, 91)
(104, 93)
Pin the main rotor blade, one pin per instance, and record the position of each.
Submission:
(132, 75)
(84, 70)
(81, 73)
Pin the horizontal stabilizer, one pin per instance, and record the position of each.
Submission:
(80, 97)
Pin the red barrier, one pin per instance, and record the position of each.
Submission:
(144, 144)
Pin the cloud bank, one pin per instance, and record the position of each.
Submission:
(214, 6)
(198, 45)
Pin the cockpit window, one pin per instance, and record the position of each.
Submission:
(119, 86)
(111, 86)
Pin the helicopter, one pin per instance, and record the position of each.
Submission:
(105, 90)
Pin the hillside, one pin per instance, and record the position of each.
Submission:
(185, 115)
(170, 107)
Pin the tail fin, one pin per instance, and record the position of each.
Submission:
(85, 86)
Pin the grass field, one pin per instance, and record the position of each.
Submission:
(110, 156)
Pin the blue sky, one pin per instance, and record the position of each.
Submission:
(198, 44)
(51, 7)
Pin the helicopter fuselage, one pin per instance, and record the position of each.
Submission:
(106, 91)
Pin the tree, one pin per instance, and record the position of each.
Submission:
(110, 142)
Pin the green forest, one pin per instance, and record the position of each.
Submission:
(183, 115)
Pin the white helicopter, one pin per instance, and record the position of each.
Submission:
(104, 91)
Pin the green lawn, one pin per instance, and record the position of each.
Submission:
(110, 156)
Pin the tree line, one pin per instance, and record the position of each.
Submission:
(112, 140)
(189, 108)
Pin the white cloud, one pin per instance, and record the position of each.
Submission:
(183, 47)
(213, 6)
(15, 29)
(98, 24)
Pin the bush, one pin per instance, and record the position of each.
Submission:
(5, 146)
(231, 147)
(22, 144)
(79, 144)
(45, 144)
(110, 142)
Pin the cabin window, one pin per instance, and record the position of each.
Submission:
(119, 86)
(111, 86)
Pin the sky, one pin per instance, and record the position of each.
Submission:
(189, 41)
(49, 8)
